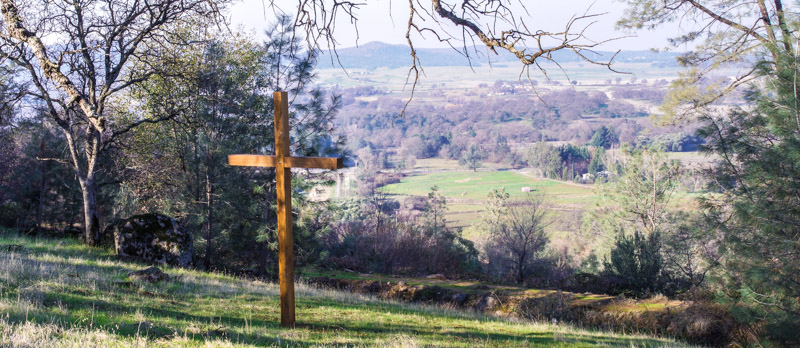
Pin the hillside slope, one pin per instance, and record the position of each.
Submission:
(59, 293)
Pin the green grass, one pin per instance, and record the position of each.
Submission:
(439, 164)
(459, 77)
(467, 191)
(63, 294)
(471, 185)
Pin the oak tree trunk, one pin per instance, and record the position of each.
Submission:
(91, 232)
(209, 232)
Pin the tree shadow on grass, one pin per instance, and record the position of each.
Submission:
(164, 313)
(158, 318)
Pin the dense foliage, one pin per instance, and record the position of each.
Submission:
(635, 264)
(375, 234)
(757, 210)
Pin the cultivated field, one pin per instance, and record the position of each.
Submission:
(466, 193)
(456, 78)
(59, 293)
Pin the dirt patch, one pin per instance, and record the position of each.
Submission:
(694, 322)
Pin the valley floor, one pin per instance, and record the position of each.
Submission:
(59, 293)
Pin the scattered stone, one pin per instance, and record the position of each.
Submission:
(150, 275)
(438, 276)
(153, 238)
(487, 303)
(402, 283)
(367, 287)
(459, 299)
(14, 248)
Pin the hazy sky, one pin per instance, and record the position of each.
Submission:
(376, 24)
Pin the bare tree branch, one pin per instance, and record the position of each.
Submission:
(496, 24)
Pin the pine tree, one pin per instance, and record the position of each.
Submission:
(757, 207)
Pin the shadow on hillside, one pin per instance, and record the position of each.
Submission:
(115, 316)
(170, 310)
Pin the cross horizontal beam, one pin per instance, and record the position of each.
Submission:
(292, 162)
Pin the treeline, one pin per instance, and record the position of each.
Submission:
(497, 124)
(519, 119)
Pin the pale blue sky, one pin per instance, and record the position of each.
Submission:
(376, 24)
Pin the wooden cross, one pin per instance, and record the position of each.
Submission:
(283, 177)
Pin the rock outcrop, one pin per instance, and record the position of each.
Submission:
(153, 238)
(150, 275)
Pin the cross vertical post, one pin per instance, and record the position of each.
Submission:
(283, 179)
(283, 163)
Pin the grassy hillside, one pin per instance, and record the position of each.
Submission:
(62, 294)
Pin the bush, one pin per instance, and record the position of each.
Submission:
(8, 214)
(634, 267)
(398, 248)
(368, 238)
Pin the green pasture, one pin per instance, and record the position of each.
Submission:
(428, 165)
(469, 185)
(467, 191)
(456, 77)
(59, 293)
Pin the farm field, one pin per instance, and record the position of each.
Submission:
(60, 293)
(467, 190)
(456, 78)
(471, 185)
(453, 77)
(466, 193)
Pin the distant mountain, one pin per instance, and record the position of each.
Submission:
(374, 55)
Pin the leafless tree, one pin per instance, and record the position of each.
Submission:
(517, 236)
(724, 33)
(497, 25)
(81, 56)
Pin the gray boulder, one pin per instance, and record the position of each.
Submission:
(150, 275)
(153, 238)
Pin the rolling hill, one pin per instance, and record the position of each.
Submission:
(59, 293)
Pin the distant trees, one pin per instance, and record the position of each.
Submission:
(472, 157)
(433, 212)
(563, 162)
(597, 165)
(673, 142)
(651, 94)
(447, 129)
(604, 137)
(425, 146)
